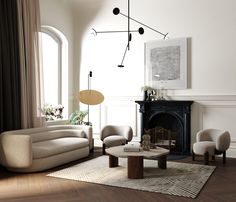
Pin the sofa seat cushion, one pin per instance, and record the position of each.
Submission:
(201, 148)
(57, 146)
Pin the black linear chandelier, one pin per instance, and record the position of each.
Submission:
(116, 11)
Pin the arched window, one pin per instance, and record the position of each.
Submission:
(55, 71)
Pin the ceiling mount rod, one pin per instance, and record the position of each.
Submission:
(128, 24)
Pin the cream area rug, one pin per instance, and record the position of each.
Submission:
(180, 179)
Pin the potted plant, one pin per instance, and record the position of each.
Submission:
(77, 117)
(147, 92)
(51, 112)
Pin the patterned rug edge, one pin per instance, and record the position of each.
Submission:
(140, 188)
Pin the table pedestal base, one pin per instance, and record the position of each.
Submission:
(162, 162)
(113, 161)
(135, 167)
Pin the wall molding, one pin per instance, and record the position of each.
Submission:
(180, 97)
(202, 106)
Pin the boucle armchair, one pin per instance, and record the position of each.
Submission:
(211, 142)
(112, 135)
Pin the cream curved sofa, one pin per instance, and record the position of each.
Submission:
(37, 149)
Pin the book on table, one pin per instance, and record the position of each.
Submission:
(132, 148)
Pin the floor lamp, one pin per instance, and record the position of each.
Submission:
(90, 97)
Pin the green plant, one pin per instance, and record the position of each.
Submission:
(77, 117)
(147, 88)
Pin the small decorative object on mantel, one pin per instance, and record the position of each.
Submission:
(146, 143)
(152, 94)
(148, 93)
(160, 94)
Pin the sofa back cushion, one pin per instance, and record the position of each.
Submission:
(51, 132)
(54, 134)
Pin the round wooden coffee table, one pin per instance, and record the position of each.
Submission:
(135, 159)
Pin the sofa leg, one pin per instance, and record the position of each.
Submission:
(92, 149)
(193, 156)
(103, 149)
(206, 158)
(224, 157)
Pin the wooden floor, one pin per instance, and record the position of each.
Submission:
(37, 187)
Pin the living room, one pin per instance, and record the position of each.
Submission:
(210, 71)
(206, 25)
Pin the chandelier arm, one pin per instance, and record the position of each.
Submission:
(165, 35)
(121, 65)
(103, 32)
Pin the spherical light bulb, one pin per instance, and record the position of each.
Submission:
(116, 11)
(141, 30)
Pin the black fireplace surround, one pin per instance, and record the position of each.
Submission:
(168, 123)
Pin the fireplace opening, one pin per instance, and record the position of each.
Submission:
(169, 123)
(166, 130)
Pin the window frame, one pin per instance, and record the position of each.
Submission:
(63, 66)
(57, 38)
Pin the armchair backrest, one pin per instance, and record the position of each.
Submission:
(220, 137)
(124, 130)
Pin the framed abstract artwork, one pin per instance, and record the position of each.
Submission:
(166, 64)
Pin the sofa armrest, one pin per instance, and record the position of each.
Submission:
(88, 134)
(16, 150)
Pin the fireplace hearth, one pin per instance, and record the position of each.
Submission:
(168, 123)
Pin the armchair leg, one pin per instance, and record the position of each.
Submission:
(193, 155)
(224, 157)
(206, 158)
(103, 149)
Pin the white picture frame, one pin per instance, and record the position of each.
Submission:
(166, 64)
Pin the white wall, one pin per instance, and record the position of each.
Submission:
(210, 25)
(84, 12)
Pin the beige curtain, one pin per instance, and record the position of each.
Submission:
(30, 59)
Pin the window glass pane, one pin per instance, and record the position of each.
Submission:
(50, 69)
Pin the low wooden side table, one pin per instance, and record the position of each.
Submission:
(135, 159)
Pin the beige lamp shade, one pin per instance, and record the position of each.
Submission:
(90, 97)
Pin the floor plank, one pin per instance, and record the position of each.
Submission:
(37, 187)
